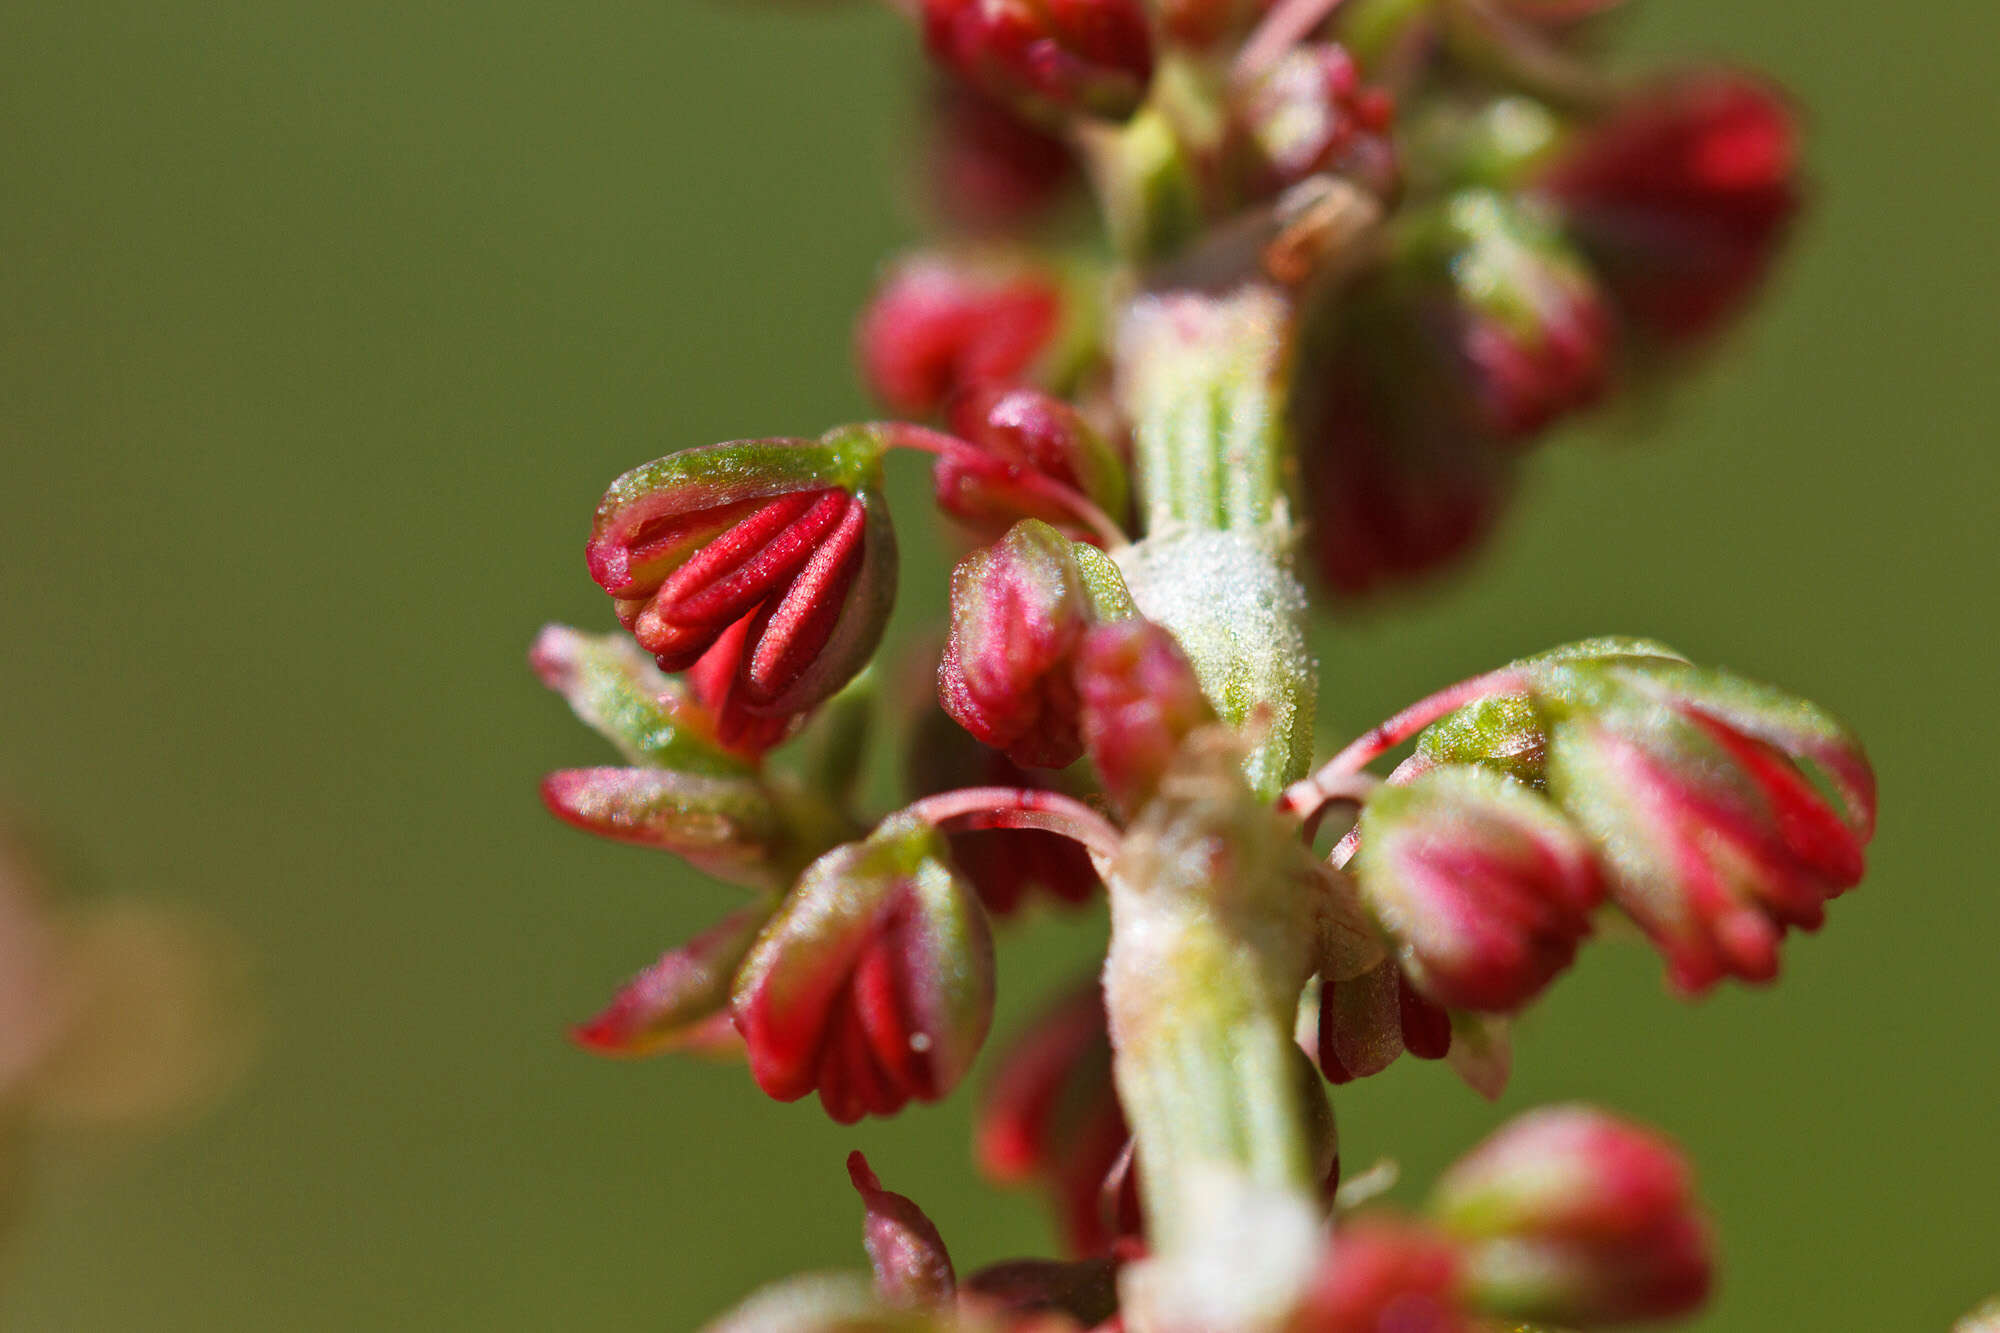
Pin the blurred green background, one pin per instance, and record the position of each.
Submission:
(321, 327)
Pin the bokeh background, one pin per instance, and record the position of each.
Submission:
(321, 327)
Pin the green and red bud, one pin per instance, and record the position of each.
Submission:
(1309, 113)
(681, 1002)
(726, 826)
(1019, 609)
(1380, 1274)
(873, 983)
(1682, 198)
(787, 539)
(1571, 1215)
(1527, 337)
(912, 1267)
(1051, 59)
(619, 693)
(1484, 887)
(941, 323)
(1139, 699)
(1021, 435)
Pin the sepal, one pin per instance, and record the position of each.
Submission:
(681, 1002)
(728, 827)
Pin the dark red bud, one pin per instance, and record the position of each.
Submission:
(1381, 1274)
(1021, 433)
(1140, 698)
(1682, 197)
(912, 1266)
(939, 324)
(988, 169)
(1049, 58)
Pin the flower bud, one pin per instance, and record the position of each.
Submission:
(726, 826)
(619, 693)
(784, 537)
(874, 981)
(1005, 865)
(1699, 789)
(1050, 1116)
(987, 169)
(1380, 1274)
(1526, 334)
(912, 1266)
(1139, 699)
(1484, 886)
(1019, 432)
(1573, 1216)
(1309, 114)
(1018, 610)
(941, 323)
(1049, 58)
(681, 1002)
(1682, 197)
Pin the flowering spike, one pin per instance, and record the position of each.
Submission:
(675, 1004)
(1380, 1274)
(1050, 58)
(912, 1267)
(1484, 886)
(1139, 699)
(940, 323)
(786, 536)
(1682, 198)
(1020, 431)
(725, 826)
(874, 981)
(1576, 1217)
(1018, 610)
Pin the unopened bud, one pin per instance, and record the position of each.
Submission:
(726, 826)
(1308, 114)
(940, 323)
(1050, 58)
(1682, 198)
(874, 981)
(1571, 1215)
(681, 1002)
(1139, 699)
(1018, 610)
(988, 169)
(786, 537)
(1483, 885)
(912, 1266)
(1379, 1274)
(1019, 433)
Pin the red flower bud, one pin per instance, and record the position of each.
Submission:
(1527, 336)
(777, 537)
(1393, 494)
(874, 981)
(912, 1266)
(1050, 58)
(1682, 197)
(1018, 610)
(1050, 1116)
(1309, 114)
(1484, 886)
(681, 1002)
(1139, 698)
(941, 323)
(1379, 1275)
(988, 170)
(1005, 865)
(1576, 1217)
(1021, 431)
(1695, 786)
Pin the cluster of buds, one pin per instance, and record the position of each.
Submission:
(1364, 255)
